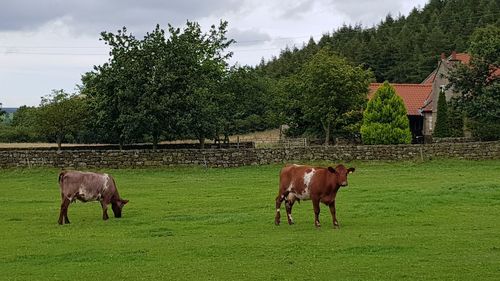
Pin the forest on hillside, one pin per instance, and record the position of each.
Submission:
(402, 49)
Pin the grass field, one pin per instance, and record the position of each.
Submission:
(399, 221)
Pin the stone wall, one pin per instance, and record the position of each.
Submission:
(246, 156)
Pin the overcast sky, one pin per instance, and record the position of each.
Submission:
(49, 44)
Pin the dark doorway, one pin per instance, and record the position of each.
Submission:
(416, 128)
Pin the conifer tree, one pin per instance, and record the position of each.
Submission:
(442, 127)
(385, 119)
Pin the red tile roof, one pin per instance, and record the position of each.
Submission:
(413, 95)
(463, 57)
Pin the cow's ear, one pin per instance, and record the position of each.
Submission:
(124, 201)
(350, 170)
(331, 170)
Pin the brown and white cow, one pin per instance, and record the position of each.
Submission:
(300, 182)
(87, 186)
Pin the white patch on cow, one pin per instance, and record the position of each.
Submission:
(308, 177)
(290, 187)
(82, 192)
(277, 210)
(106, 178)
(290, 217)
(297, 165)
(306, 194)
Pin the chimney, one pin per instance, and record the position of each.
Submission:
(443, 56)
(454, 55)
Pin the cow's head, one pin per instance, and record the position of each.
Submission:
(341, 173)
(118, 206)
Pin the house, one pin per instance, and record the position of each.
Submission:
(421, 99)
(438, 79)
(414, 97)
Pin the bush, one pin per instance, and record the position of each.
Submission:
(18, 134)
(456, 121)
(385, 119)
(484, 130)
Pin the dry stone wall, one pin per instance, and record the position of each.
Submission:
(244, 156)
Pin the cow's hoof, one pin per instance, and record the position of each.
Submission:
(277, 223)
(291, 222)
(317, 224)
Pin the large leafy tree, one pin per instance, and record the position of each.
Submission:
(200, 64)
(110, 89)
(325, 92)
(385, 120)
(160, 87)
(157, 96)
(479, 84)
(60, 114)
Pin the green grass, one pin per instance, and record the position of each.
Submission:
(399, 221)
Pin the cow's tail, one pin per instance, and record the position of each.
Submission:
(61, 177)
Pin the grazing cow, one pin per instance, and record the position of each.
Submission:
(298, 182)
(87, 186)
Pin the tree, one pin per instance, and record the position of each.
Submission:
(402, 49)
(326, 89)
(199, 63)
(2, 112)
(59, 114)
(24, 126)
(385, 120)
(456, 120)
(160, 87)
(118, 85)
(479, 84)
(442, 128)
(248, 103)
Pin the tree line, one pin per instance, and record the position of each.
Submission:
(171, 84)
(400, 49)
(177, 84)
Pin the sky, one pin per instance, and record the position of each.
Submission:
(49, 44)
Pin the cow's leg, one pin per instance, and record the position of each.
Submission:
(289, 204)
(66, 219)
(63, 214)
(334, 217)
(316, 212)
(279, 199)
(104, 206)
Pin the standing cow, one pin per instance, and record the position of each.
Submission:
(87, 186)
(298, 182)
